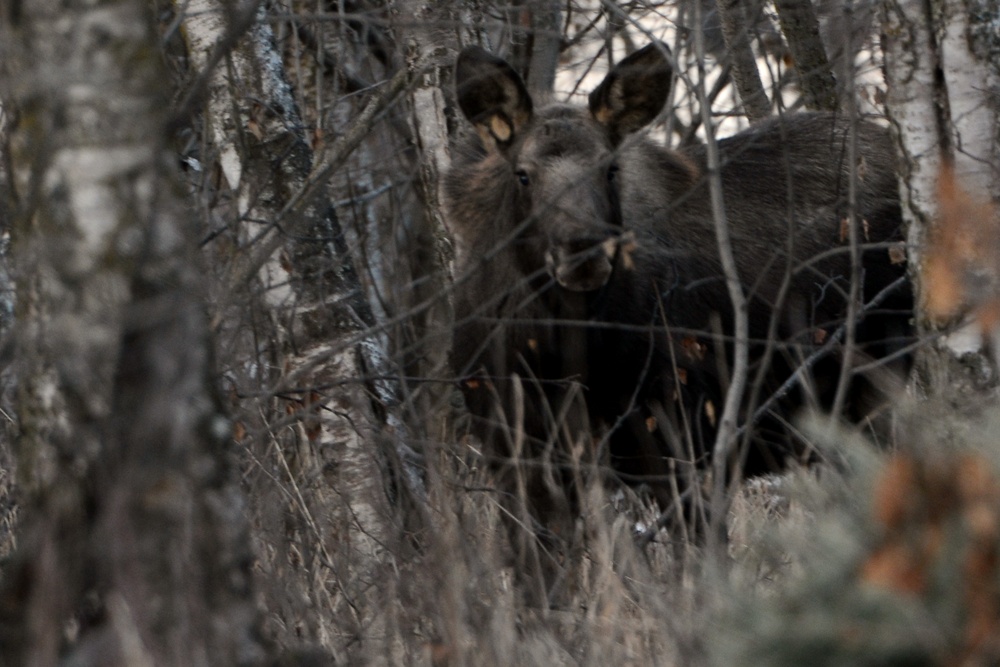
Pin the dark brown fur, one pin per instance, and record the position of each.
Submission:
(581, 245)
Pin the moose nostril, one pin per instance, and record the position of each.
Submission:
(580, 266)
(592, 246)
(584, 276)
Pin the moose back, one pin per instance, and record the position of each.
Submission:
(588, 275)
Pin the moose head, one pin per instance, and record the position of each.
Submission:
(563, 161)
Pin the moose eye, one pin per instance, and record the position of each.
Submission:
(522, 177)
(612, 173)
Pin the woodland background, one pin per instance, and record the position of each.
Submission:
(230, 431)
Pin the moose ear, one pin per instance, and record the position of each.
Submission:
(633, 92)
(491, 95)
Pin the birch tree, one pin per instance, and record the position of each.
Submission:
(336, 427)
(134, 533)
(943, 75)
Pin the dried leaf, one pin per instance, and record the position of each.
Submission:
(845, 230)
(626, 247)
(943, 291)
(894, 567)
(988, 315)
(919, 502)
(897, 253)
(974, 479)
(692, 348)
(313, 429)
(255, 129)
(894, 490)
(710, 412)
(440, 654)
(960, 270)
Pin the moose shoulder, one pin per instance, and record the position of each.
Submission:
(588, 268)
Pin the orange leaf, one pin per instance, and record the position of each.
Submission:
(693, 348)
(988, 315)
(894, 491)
(895, 568)
(255, 129)
(943, 291)
(960, 267)
(897, 253)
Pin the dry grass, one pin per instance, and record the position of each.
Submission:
(871, 559)
(791, 591)
(447, 592)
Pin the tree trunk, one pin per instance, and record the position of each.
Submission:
(735, 19)
(942, 74)
(801, 28)
(345, 425)
(133, 525)
(431, 44)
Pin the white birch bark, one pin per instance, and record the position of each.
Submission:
(942, 74)
(227, 119)
(64, 378)
(431, 45)
(322, 321)
(126, 484)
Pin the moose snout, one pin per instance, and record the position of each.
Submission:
(582, 265)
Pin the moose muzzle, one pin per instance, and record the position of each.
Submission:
(582, 266)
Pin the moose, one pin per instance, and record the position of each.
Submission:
(592, 314)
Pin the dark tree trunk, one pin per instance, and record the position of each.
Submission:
(801, 28)
(735, 18)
